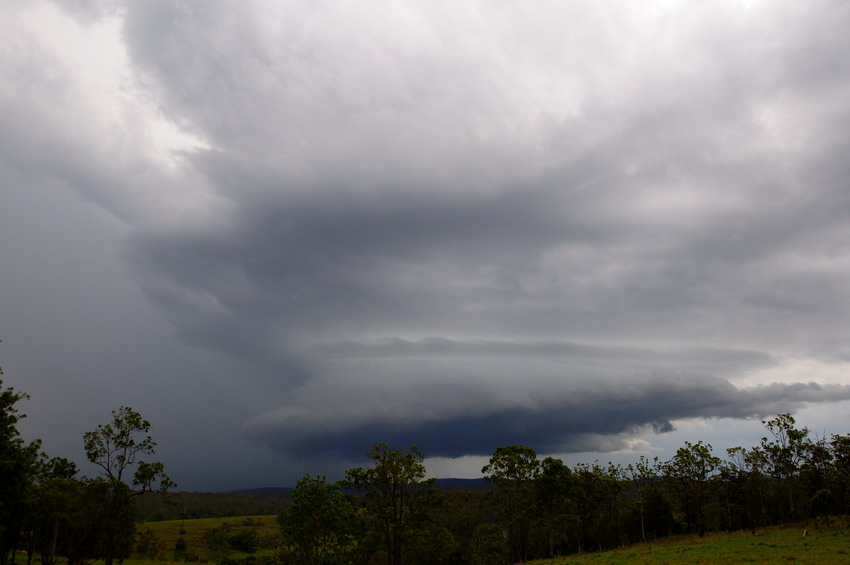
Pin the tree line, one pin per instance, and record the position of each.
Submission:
(46, 511)
(535, 508)
(391, 513)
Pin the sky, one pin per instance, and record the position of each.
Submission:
(284, 230)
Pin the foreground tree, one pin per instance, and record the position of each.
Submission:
(554, 491)
(396, 494)
(116, 448)
(690, 473)
(321, 522)
(785, 454)
(513, 469)
(18, 465)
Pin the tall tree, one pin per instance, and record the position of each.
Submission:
(513, 470)
(396, 493)
(785, 453)
(321, 522)
(840, 447)
(643, 475)
(116, 448)
(554, 490)
(18, 466)
(690, 472)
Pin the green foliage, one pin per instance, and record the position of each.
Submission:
(148, 544)
(217, 539)
(512, 466)
(784, 453)
(553, 492)
(513, 469)
(192, 540)
(395, 494)
(824, 546)
(192, 505)
(245, 540)
(321, 523)
(116, 448)
(598, 495)
(18, 469)
(690, 474)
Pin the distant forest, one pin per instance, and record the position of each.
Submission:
(390, 512)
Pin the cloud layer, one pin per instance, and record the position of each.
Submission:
(462, 225)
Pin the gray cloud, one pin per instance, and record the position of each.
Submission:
(575, 416)
(451, 225)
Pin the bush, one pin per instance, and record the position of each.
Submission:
(245, 540)
(148, 545)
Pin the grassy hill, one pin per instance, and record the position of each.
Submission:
(210, 539)
(190, 505)
(776, 545)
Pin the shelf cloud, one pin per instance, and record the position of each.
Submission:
(456, 225)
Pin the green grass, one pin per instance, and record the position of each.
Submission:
(773, 546)
(193, 531)
(776, 545)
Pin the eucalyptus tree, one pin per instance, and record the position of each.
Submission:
(599, 497)
(785, 452)
(840, 447)
(117, 448)
(554, 486)
(513, 470)
(818, 474)
(396, 494)
(321, 522)
(689, 473)
(643, 475)
(18, 466)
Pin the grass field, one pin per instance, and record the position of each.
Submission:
(193, 533)
(776, 545)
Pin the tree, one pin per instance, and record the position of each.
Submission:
(840, 447)
(321, 522)
(513, 470)
(18, 467)
(818, 472)
(116, 448)
(643, 474)
(785, 452)
(598, 497)
(396, 493)
(690, 472)
(49, 506)
(554, 490)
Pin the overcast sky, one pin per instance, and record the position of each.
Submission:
(285, 230)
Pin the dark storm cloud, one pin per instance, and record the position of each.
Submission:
(464, 226)
(372, 218)
(573, 418)
(306, 264)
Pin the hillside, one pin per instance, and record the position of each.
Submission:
(768, 547)
(254, 502)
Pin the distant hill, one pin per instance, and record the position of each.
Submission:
(189, 505)
(266, 490)
(248, 502)
(462, 484)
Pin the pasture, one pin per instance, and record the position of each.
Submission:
(824, 546)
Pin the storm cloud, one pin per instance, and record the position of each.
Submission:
(459, 225)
